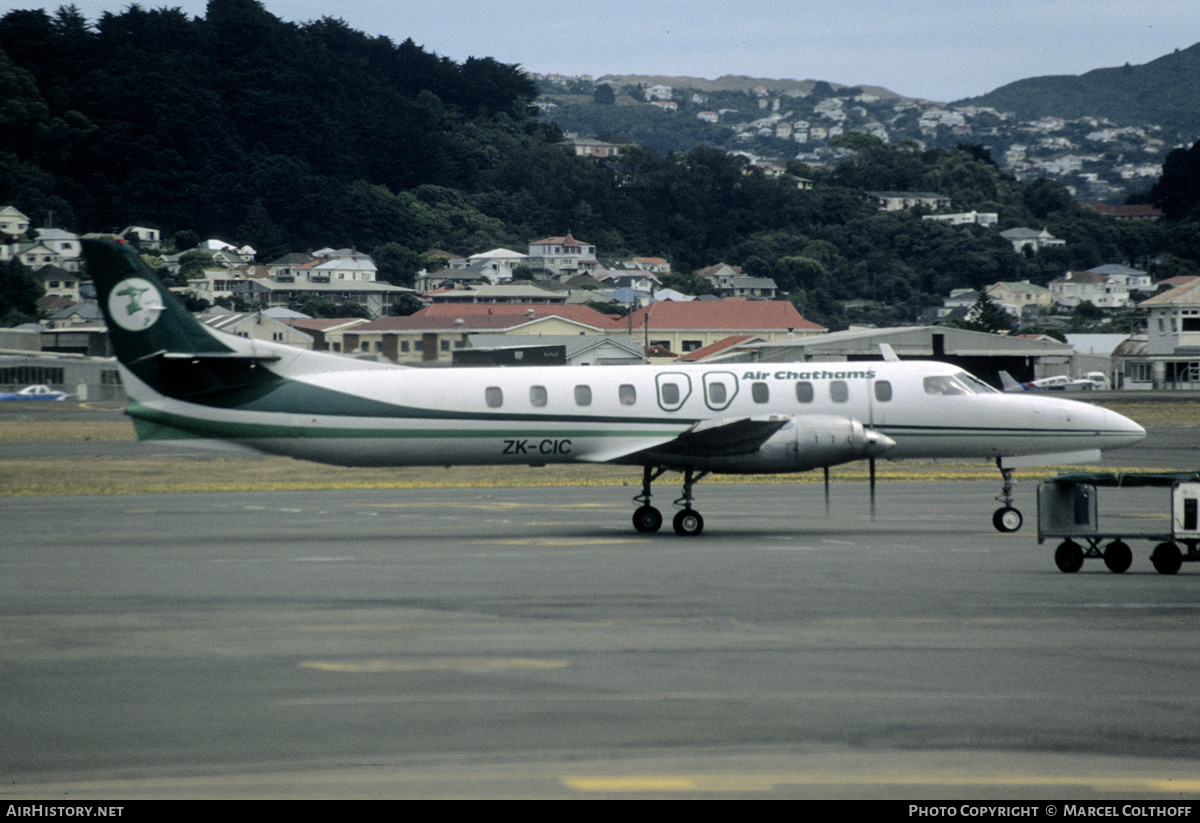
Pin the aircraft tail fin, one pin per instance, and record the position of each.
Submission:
(156, 339)
(1009, 383)
(143, 318)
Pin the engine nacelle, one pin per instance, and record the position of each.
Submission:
(806, 442)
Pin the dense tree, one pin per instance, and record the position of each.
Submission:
(986, 315)
(285, 136)
(1177, 192)
(19, 293)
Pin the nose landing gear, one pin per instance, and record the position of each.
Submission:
(1007, 518)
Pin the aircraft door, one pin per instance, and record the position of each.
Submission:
(674, 388)
(719, 389)
(879, 402)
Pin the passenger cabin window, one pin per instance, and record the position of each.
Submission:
(717, 394)
(839, 391)
(760, 392)
(627, 394)
(804, 392)
(883, 391)
(583, 395)
(494, 397)
(538, 396)
(670, 393)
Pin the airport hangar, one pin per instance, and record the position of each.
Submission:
(980, 353)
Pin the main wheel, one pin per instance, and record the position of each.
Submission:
(1007, 519)
(1166, 558)
(688, 523)
(1068, 557)
(1117, 556)
(647, 519)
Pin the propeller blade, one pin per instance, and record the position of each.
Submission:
(871, 468)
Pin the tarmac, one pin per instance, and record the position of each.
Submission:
(526, 642)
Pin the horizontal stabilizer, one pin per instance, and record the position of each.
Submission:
(196, 357)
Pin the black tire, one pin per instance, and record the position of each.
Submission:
(1166, 558)
(1007, 519)
(688, 523)
(647, 519)
(1068, 557)
(1118, 556)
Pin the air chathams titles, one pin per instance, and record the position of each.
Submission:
(809, 375)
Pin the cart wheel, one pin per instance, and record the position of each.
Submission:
(1118, 556)
(1166, 558)
(1068, 557)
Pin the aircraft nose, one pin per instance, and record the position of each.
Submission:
(1125, 432)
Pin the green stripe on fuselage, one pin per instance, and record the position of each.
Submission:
(156, 424)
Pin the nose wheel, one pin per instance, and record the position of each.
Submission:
(1007, 518)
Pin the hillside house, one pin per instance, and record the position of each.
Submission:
(1023, 295)
(562, 256)
(1106, 287)
(905, 200)
(585, 147)
(147, 238)
(506, 257)
(12, 222)
(1032, 239)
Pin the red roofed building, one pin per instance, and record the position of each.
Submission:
(720, 347)
(688, 327)
(1137, 212)
(578, 313)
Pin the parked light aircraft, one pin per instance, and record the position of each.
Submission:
(1059, 382)
(187, 382)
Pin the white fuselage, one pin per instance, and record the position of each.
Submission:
(540, 415)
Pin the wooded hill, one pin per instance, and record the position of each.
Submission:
(284, 136)
(1165, 91)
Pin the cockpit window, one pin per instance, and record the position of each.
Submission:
(976, 385)
(960, 383)
(941, 384)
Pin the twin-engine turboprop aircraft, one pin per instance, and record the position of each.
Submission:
(187, 382)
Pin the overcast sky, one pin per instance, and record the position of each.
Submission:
(937, 49)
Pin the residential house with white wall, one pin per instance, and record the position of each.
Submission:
(1032, 239)
(562, 256)
(1169, 355)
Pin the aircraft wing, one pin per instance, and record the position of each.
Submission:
(708, 438)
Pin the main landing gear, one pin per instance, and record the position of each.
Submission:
(687, 523)
(1007, 518)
